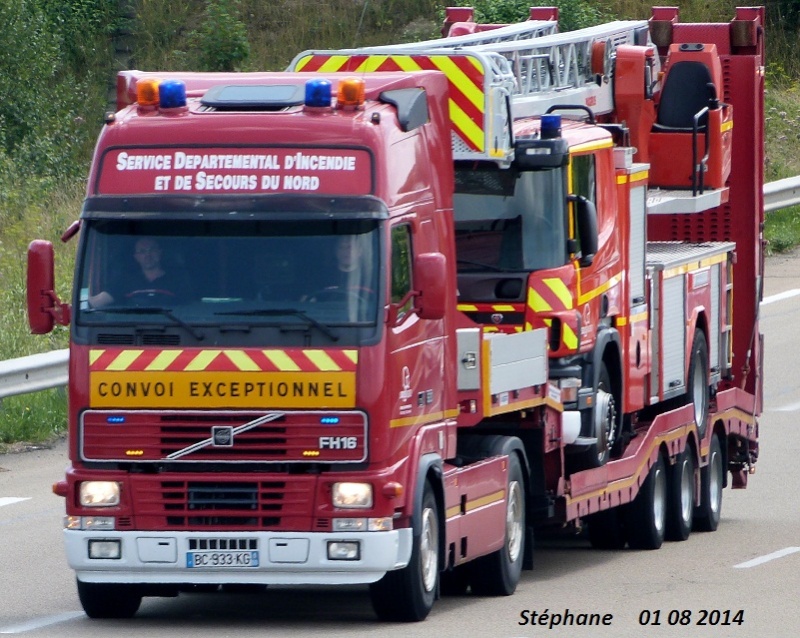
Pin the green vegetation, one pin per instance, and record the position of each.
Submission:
(59, 58)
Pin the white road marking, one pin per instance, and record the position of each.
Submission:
(765, 559)
(38, 623)
(10, 500)
(788, 294)
(788, 408)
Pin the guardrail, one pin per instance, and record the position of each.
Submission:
(782, 194)
(33, 373)
(49, 370)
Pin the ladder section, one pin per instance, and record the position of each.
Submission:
(522, 31)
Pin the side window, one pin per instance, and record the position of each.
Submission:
(401, 267)
(583, 177)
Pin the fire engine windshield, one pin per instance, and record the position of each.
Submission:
(509, 221)
(318, 276)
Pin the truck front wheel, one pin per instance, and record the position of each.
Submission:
(498, 573)
(407, 594)
(109, 600)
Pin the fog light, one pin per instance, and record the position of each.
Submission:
(105, 548)
(344, 550)
(99, 494)
(98, 522)
(349, 524)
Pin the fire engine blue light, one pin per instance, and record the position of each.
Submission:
(172, 94)
(329, 420)
(115, 419)
(551, 126)
(318, 93)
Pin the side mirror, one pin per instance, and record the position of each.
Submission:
(586, 217)
(430, 275)
(44, 307)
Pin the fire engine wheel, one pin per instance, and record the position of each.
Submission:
(697, 387)
(712, 477)
(605, 424)
(407, 594)
(498, 573)
(647, 513)
(104, 600)
(680, 494)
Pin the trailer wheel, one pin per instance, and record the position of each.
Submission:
(407, 594)
(107, 600)
(498, 573)
(712, 476)
(647, 513)
(680, 495)
(697, 387)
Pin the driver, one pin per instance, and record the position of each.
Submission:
(151, 280)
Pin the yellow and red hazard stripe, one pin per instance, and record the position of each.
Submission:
(551, 295)
(465, 75)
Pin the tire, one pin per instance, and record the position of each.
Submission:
(712, 477)
(647, 513)
(498, 573)
(697, 385)
(606, 529)
(104, 600)
(408, 594)
(680, 496)
(607, 430)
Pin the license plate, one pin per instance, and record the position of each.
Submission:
(222, 559)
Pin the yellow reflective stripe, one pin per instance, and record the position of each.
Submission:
(281, 361)
(464, 123)
(163, 360)
(321, 359)
(465, 307)
(568, 336)
(334, 63)
(502, 308)
(537, 302)
(202, 360)
(560, 290)
(301, 64)
(726, 126)
(241, 360)
(94, 355)
(351, 354)
(466, 86)
(406, 63)
(124, 359)
(485, 500)
(600, 289)
(591, 146)
(372, 63)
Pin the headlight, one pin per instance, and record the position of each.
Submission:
(99, 494)
(352, 495)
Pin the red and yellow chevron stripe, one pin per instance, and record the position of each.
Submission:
(229, 360)
(465, 74)
(551, 295)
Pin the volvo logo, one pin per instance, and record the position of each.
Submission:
(222, 436)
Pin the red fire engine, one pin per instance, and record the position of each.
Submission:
(376, 318)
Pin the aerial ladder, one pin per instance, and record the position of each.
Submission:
(507, 73)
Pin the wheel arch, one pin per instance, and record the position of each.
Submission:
(430, 471)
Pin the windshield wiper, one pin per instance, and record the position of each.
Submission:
(271, 312)
(152, 310)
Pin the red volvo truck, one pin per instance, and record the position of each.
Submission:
(378, 318)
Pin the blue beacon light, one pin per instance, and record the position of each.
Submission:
(551, 127)
(172, 94)
(115, 419)
(318, 93)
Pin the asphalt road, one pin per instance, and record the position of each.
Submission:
(752, 562)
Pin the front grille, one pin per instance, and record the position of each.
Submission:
(276, 437)
(223, 544)
(233, 504)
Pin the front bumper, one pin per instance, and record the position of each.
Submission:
(294, 558)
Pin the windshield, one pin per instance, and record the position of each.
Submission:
(509, 221)
(307, 276)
